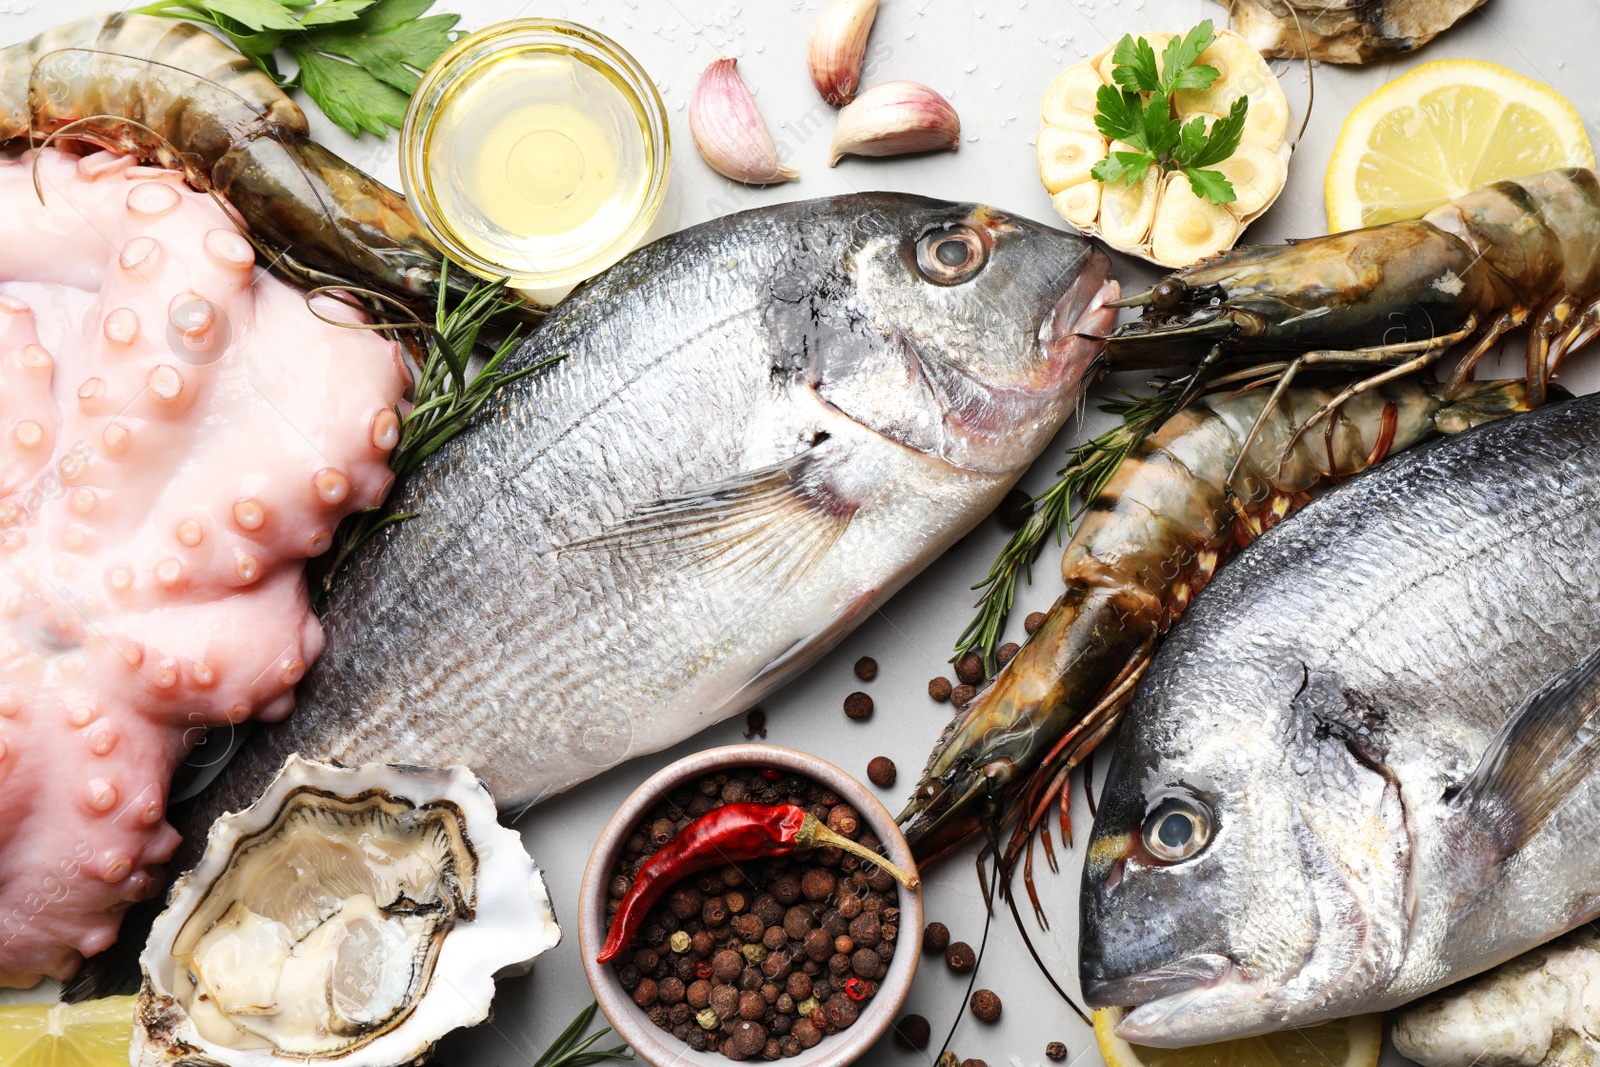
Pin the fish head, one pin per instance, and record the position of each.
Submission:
(1249, 865)
(956, 330)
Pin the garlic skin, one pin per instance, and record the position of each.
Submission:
(894, 119)
(730, 133)
(838, 44)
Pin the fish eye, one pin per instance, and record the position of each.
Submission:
(1177, 829)
(951, 256)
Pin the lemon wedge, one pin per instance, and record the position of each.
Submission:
(1352, 1042)
(1445, 129)
(92, 1034)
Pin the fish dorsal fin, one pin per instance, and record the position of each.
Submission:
(1543, 752)
(770, 524)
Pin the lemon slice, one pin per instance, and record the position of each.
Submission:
(92, 1034)
(1445, 129)
(1352, 1042)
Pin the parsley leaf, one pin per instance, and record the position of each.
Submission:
(1125, 167)
(1142, 115)
(1210, 184)
(1134, 65)
(359, 60)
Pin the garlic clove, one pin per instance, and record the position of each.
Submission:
(838, 43)
(1189, 228)
(730, 133)
(1079, 204)
(893, 119)
(1067, 157)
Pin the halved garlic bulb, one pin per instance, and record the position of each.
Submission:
(1133, 218)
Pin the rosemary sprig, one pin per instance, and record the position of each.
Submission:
(572, 1049)
(1089, 466)
(447, 394)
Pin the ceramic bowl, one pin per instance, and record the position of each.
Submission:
(657, 1046)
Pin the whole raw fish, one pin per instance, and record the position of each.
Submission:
(762, 427)
(1363, 766)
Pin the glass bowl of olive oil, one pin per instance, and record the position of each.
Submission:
(536, 150)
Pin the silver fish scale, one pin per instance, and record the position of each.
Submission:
(510, 626)
(1402, 617)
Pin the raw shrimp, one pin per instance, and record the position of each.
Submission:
(1146, 545)
(171, 93)
(1396, 296)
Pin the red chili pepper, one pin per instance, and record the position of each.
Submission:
(703, 969)
(856, 989)
(771, 774)
(730, 834)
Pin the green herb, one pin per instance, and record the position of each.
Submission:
(1141, 113)
(571, 1049)
(360, 60)
(448, 393)
(1089, 466)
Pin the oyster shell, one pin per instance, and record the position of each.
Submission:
(351, 915)
(1345, 31)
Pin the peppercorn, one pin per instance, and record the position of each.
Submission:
(841, 1011)
(885, 952)
(791, 1046)
(670, 991)
(736, 901)
(818, 945)
(714, 912)
(858, 706)
(785, 889)
(747, 928)
(773, 1050)
(817, 884)
(969, 669)
(727, 964)
(724, 1001)
(962, 695)
(751, 1005)
(866, 963)
(849, 906)
(662, 831)
(1014, 510)
(888, 932)
(684, 968)
(960, 957)
(774, 937)
(974, 1063)
(634, 845)
(750, 978)
(1006, 652)
(698, 994)
(644, 994)
(866, 668)
(866, 930)
(833, 924)
(986, 1005)
(619, 886)
(798, 985)
(797, 922)
(912, 1033)
(730, 875)
(702, 943)
(685, 901)
(1055, 1050)
(1032, 623)
(680, 942)
(646, 960)
(777, 965)
(839, 964)
(842, 819)
(660, 1016)
(768, 910)
(843, 944)
(882, 881)
(754, 954)
(748, 1038)
(881, 772)
(805, 1033)
(939, 688)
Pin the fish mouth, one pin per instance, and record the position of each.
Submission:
(1073, 333)
(1190, 1001)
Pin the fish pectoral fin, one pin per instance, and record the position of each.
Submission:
(1539, 757)
(770, 525)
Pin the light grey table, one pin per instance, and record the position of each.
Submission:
(992, 59)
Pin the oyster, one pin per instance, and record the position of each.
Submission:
(350, 915)
(1345, 31)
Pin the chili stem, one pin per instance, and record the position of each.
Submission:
(813, 833)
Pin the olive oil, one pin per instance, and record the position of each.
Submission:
(537, 157)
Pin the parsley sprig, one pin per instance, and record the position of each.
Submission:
(360, 60)
(1141, 113)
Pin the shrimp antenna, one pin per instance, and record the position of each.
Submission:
(983, 943)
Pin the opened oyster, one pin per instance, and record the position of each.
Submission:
(350, 915)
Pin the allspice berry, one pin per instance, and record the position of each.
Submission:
(962, 695)
(1032, 623)
(1015, 510)
(960, 957)
(935, 937)
(866, 668)
(973, 1063)
(858, 706)
(748, 1038)
(986, 1005)
(1007, 652)
(881, 772)
(939, 688)
(1056, 1050)
(912, 1033)
(969, 668)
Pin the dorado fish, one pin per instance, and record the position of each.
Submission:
(1363, 765)
(759, 429)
